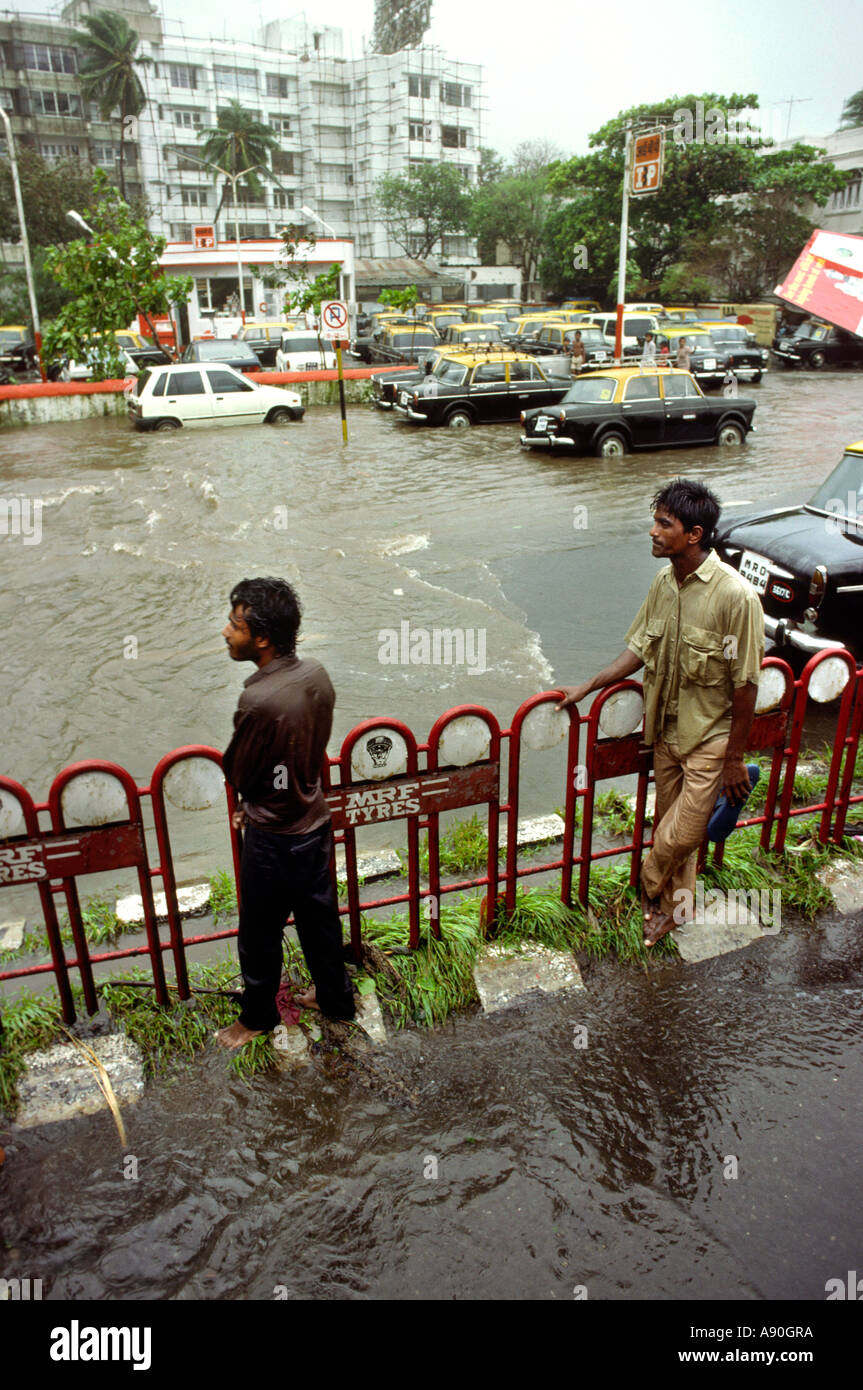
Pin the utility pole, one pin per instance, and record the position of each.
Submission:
(25, 243)
(624, 247)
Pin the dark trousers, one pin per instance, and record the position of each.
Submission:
(280, 874)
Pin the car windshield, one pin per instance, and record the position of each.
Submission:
(842, 493)
(591, 337)
(589, 390)
(10, 335)
(216, 349)
(415, 338)
(491, 334)
(449, 372)
(728, 333)
(309, 344)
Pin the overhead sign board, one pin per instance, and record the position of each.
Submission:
(204, 238)
(827, 280)
(334, 320)
(647, 153)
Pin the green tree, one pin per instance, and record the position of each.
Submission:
(239, 141)
(47, 192)
(110, 279)
(852, 111)
(712, 188)
(491, 166)
(108, 71)
(14, 299)
(291, 273)
(513, 208)
(419, 208)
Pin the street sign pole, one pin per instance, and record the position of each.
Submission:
(621, 259)
(342, 393)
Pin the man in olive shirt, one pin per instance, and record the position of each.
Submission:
(273, 761)
(700, 637)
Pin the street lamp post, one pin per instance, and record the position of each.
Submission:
(234, 180)
(25, 243)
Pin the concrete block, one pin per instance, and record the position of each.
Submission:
(290, 1048)
(59, 1084)
(370, 1018)
(192, 901)
(844, 878)
(721, 931)
(12, 934)
(506, 974)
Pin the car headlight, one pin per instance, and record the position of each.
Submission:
(817, 587)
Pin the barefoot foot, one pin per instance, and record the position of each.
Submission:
(237, 1035)
(660, 924)
(307, 999)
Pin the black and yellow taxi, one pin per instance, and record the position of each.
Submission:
(479, 387)
(440, 319)
(559, 337)
(462, 335)
(613, 410)
(589, 306)
(403, 342)
(265, 336)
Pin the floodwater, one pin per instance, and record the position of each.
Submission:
(606, 1167)
(702, 1141)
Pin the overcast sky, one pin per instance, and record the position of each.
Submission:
(558, 70)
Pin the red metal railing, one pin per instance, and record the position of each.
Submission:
(382, 773)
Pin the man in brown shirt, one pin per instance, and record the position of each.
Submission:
(700, 637)
(273, 761)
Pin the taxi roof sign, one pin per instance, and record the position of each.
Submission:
(647, 155)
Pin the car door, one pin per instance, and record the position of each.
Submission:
(689, 417)
(643, 409)
(529, 387)
(186, 397)
(235, 400)
(489, 393)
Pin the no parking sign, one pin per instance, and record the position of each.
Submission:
(334, 320)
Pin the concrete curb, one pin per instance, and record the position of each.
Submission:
(506, 975)
(58, 1083)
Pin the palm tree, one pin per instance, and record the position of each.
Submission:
(852, 111)
(108, 73)
(238, 141)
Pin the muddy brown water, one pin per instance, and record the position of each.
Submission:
(603, 1167)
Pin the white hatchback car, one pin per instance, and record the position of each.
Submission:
(164, 398)
(301, 352)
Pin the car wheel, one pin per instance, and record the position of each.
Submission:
(280, 416)
(457, 419)
(168, 425)
(729, 434)
(611, 446)
(757, 377)
(817, 360)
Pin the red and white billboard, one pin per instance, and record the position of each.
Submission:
(827, 280)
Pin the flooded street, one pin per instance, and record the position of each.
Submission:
(704, 1144)
(556, 1167)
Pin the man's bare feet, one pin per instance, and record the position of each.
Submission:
(307, 999)
(659, 925)
(649, 907)
(237, 1035)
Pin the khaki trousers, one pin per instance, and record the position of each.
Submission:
(687, 786)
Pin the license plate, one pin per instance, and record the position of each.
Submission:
(403, 397)
(310, 366)
(541, 424)
(756, 569)
(601, 356)
(710, 364)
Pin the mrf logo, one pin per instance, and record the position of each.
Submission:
(381, 803)
(21, 864)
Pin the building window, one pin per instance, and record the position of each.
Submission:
(453, 137)
(187, 120)
(56, 104)
(104, 154)
(254, 231)
(193, 197)
(454, 94)
(281, 200)
(419, 86)
(41, 57)
(283, 162)
(278, 86)
(419, 130)
(182, 75)
(54, 152)
(456, 246)
(181, 231)
(280, 124)
(236, 79)
(189, 158)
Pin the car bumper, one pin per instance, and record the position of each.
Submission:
(782, 633)
(414, 415)
(546, 441)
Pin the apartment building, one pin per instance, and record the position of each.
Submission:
(341, 123)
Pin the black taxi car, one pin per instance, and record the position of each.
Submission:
(817, 345)
(717, 349)
(398, 342)
(611, 411)
(479, 387)
(806, 563)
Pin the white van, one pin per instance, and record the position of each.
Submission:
(635, 326)
(302, 352)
